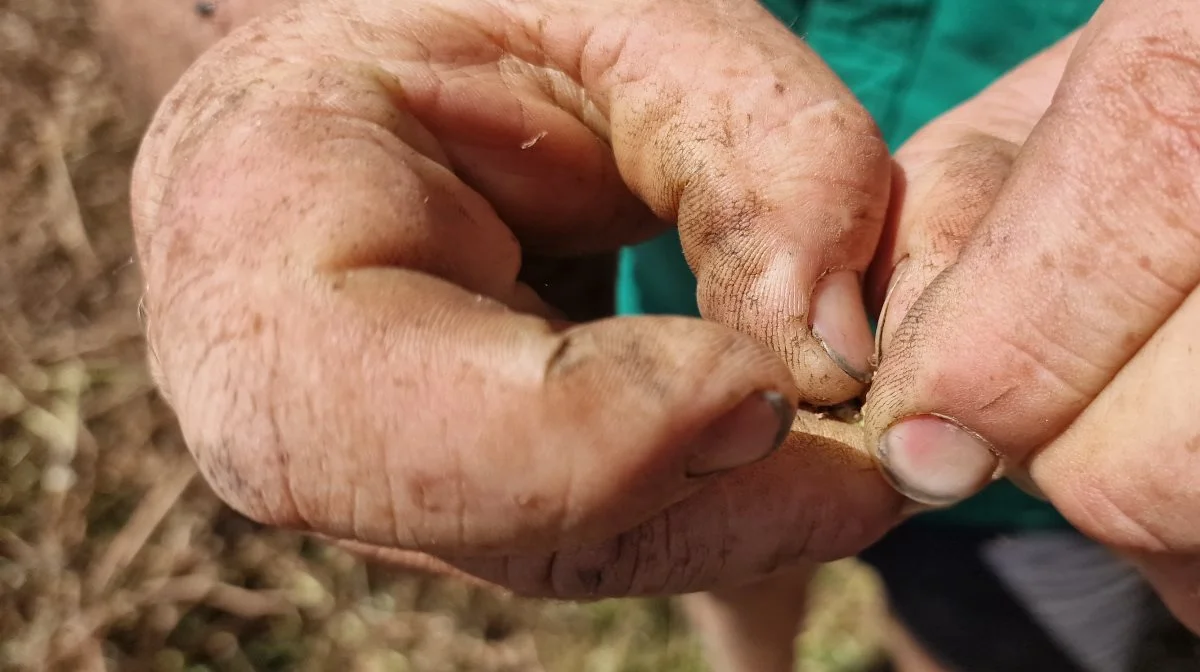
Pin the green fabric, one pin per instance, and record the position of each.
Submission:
(907, 61)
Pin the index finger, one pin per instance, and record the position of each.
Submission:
(331, 221)
(1089, 248)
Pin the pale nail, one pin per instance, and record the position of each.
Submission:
(750, 432)
(839, 323)
(935, 461)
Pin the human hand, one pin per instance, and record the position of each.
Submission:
(1056, 347)
(150, 43)
(339, 211)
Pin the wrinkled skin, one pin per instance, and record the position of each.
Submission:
(346, 215)
(985, 239)
(1054, 317)
(950, 175)
(1037, 279)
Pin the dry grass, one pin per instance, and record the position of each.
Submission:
(113, 554)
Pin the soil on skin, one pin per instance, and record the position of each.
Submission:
(114, 555)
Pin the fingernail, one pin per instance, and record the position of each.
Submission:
(839, 322)
(935, 461)
(750, 432)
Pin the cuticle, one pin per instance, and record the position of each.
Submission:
(893, 282)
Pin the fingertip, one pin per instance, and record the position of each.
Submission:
(934, 460)
(750, 432)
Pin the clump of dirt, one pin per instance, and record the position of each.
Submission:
(113, 554)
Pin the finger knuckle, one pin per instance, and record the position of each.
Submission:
(962, 185)
(1042, 353)
(1120, 503)
(1163, 84)
(973, 169)
(220, 392)
(648, 560)
(596, 573)
(607, 51)
(1150, 84)
(1108, 516)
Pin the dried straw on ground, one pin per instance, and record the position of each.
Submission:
(113, 554)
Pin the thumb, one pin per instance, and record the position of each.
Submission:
(949, 174)
(952, 171)
(335, 310)
(1077, 264)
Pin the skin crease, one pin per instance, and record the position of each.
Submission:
(744, 626)
(301, 333)
(1063, 330)
(953, 175)
(1079, 470)
(950, 173)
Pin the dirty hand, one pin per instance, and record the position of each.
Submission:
(364, 229)
(1043, 315)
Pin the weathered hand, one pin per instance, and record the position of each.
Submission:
(1057, 346)
(150, 43)
(341, 211)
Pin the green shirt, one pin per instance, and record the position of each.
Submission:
(907, 61)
